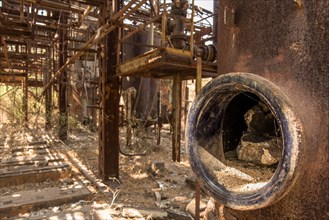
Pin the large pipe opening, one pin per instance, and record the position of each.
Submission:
(244, 141)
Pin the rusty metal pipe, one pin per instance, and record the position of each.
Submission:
(205, 118)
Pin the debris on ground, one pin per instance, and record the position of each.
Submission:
(145, 182)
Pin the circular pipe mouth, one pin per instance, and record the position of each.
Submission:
(216, 112)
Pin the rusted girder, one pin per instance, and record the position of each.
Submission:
(109, 101)
(62, 99)
(21, 10)
(48, 96)
(177, 106)
(102, 32)
(18, 81)
(5, 50)
(85, 15)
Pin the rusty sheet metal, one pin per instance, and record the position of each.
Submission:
(164, 63)
(288, 45)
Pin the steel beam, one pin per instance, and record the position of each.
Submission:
(62, 80)
(101, 33)
(48, 96)
(109, 92)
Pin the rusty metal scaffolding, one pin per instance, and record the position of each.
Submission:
(41, 39)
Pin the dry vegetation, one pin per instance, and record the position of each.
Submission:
(137, 185)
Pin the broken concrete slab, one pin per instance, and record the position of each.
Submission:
(82, 212)
(157, 196)
(24, 160)
(178, 215)
(190, 181)
(11, 205)
(157, 167)
(144, 212)
(24, 174)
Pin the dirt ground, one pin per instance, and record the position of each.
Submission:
(138, 182)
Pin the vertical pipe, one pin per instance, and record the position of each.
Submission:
(215, 21)
(128, 118)
(186, 105)
(198, 85)
(197, 200)
(159, 116)
(177, 105)
(151, 36)
(93, 94)
(163, 27)
(192, 28)
(25, 86)
(25, 100)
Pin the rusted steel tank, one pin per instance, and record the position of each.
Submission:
(146, 88)
(275, 52)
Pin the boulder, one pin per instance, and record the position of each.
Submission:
(259, 152)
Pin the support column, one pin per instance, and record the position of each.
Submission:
(25, 86)
(48, 95)
(177, 106)
(62, 81)
(198, 85)
(159, 122)
(198, 82)
(25, 100)
(109, 97)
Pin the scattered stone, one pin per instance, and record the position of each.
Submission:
(56, 209)
(158, 197)
(209, 213)
(157, 166)
(164, 204)
(40, 163)
(162, 186)
(156, 148)
(190, 208)
(68, 181)
(190, 181)
(179, 215)
(144, 212)
(47, 182)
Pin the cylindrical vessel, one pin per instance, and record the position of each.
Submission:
(284, 43)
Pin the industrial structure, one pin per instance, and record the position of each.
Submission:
(106, 63)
